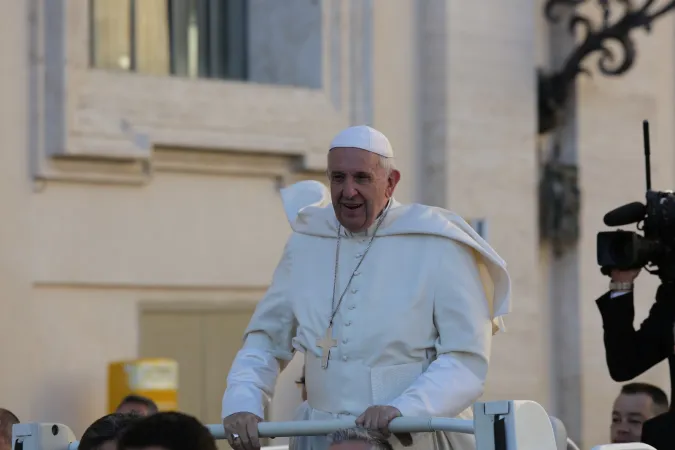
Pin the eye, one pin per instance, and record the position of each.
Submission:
(337, 177)
(362, 178)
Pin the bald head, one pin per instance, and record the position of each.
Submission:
(7, 420)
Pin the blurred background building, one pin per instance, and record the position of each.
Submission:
(144, 143)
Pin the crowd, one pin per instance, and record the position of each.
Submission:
(137, 424)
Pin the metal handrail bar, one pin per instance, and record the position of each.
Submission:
(572, 444)
(324, 427)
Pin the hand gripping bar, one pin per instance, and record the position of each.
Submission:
(324, 427)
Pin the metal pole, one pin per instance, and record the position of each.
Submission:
(325, 427)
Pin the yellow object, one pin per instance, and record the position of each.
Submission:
(154, 378)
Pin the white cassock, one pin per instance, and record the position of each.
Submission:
(413, 331)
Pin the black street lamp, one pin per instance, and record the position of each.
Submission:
(553, 88)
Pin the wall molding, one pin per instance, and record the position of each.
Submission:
(286, 169)
(230, 304)
(174, 297)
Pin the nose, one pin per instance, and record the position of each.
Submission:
(623, 427)
(349, 188)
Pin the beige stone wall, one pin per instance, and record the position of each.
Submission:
(492, 172)
(96, 224)
(20, 352)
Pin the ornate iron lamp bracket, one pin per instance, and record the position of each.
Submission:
(553, 88)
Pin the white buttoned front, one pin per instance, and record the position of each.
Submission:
(349, 283)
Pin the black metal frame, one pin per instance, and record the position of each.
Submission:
(554, 88)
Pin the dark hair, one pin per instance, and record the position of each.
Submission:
(169, 430)
(7, 420)
(107, 428)
(655, 393)
(145, 401)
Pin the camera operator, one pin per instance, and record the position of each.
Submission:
(631, 352)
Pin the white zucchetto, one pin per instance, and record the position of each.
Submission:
(365, 138)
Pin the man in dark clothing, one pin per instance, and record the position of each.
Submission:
(630, 352)
(636, 404)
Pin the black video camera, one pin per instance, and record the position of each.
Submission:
(655, 249)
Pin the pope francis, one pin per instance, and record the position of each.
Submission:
(393, 306)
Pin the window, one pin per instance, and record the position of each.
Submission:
(191, 38)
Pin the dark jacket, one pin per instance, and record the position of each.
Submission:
(630, 353)
(659, 432)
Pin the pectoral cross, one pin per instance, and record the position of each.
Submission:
(325, 344)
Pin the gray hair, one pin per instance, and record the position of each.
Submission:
(375, 440)
(387, 164)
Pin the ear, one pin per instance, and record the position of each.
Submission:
(392, 181)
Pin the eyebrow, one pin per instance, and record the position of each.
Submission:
(630, 414)
(355, 172)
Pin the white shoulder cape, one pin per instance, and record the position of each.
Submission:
(309, 211)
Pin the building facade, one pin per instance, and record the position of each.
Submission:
(144, 144)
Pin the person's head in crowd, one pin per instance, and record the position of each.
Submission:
(357, 439)
(104, 433)
(7, 421)
(167, 431)
(636, 403)
(137, 404)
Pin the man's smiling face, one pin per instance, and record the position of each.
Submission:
(360, 187)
